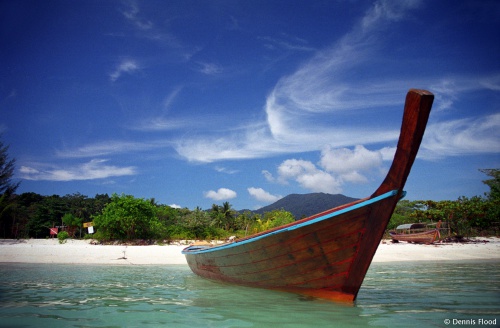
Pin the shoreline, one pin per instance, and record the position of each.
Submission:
(49, 251)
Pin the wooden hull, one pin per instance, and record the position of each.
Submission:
(426, 237)
(313, 256)
(326, 255)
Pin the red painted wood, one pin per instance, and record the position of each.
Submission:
(328, 258)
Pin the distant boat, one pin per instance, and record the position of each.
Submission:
(328, 254)
(415, 233)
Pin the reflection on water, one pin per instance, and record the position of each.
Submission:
(394, 294)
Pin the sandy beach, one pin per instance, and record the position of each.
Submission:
(83, 252)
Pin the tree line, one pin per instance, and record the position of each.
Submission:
(125, 217)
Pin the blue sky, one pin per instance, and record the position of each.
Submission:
(201, 102)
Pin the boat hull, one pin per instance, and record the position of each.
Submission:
(426, 237)
(325, 256)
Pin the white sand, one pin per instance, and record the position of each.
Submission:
(82, 252)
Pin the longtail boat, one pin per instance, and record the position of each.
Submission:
(421, 237)
(328, 254)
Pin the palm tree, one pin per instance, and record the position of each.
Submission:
(228, 213)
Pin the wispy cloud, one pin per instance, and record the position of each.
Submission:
(110, 147)
(286, 42)
(220, 194)
(145, 27)
(125, 66)
(222, 169)
(304, 110)
(462, 136)
(296, 106)
(161, 124)
(209, 68)
(448, 90)
(170, 98)
(162, 120)
(95, 169)
(132, 14)
(263, 196)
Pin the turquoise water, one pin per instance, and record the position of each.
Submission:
(422, 294)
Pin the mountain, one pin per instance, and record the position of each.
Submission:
(304, 205)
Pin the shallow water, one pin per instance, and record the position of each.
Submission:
(419, 294)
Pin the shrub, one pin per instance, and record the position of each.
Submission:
(62, 236)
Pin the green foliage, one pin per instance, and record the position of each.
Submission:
(493, 183)
(6, 172)
(128, 218)
(7, 190)
(62, 236)
(223, 216)
(273, 219)
(493, 211)
(245, 221)
(278, 218)
(72, 222)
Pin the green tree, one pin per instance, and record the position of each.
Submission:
(73, 223)
(128, 218)
(244, 221)
(272, 219)
(278, 218)
(493, 183)
(493, 207)
(6, 171)
(229, 216)
(7, 188)
(223, 216)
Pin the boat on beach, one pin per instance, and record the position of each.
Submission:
(415, 233)
(328, 254)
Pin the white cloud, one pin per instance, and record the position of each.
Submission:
(388, 153)
(308, 176)
(220, 194)
(343, 160)
(175, 206)
(262, 195)
(349, 164)
(95, 169)
(336, 167)
(125, 66)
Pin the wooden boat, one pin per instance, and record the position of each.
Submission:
(328, 254)
(420, 237)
